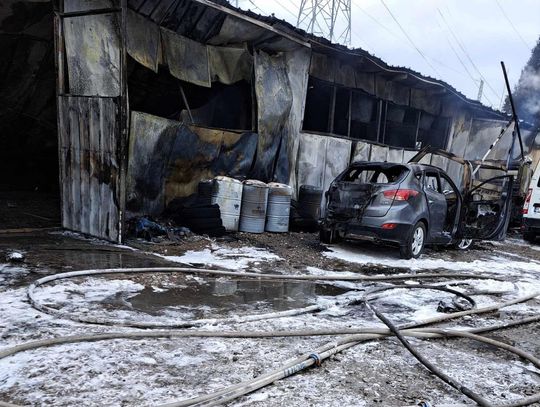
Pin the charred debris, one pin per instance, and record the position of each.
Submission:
(153, 97)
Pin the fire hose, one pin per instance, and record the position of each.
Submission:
(315, 357)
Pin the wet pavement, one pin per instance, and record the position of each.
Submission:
(133, 373)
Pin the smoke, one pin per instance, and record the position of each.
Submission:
(530, 83)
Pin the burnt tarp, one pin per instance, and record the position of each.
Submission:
(167, 159)
(142, 40)
(298, 72)
(274, 101)
(187, 59)
(230, 65)
(93, 54)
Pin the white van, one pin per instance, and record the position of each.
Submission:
(531, 209)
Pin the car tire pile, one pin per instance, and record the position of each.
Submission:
(201, 218)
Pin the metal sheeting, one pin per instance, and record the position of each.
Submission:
(151, 139)
(361, 152)
(168, 159)
(187, 59)
(229, 65)
(89, 165)
(483, 133)
(378, 153)
(235, 31)
(142, 40)
(298, 72)
(93, 54)
(274, 101)
(321, 159)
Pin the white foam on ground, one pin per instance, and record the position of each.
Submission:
(387, 258)
(228, 258)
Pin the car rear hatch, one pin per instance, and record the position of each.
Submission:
(365, 189)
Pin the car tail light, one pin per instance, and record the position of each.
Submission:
(400, 194)
(525, 209)
(389, 226)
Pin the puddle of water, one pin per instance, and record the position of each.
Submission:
(226, 296)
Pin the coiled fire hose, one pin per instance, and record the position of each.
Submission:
(314, 358)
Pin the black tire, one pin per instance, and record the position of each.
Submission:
(201, 213)
(215, 232)
(204, 223)
(529, 237)
(410, 249)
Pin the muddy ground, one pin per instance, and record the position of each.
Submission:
(156, 371)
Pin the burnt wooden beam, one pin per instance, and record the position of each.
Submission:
(94, 12)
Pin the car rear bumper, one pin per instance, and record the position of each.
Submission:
(531, 225)
(371, 228)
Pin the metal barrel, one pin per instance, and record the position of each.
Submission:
(309, 201)
(278, 208)
(227, 193)
(204, 191)
(254, 200)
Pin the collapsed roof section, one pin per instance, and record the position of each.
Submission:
(219, 23)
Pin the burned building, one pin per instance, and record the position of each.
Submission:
(154, 96)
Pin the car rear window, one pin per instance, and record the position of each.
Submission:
(375, 175)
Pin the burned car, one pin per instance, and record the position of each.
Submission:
(416, 204)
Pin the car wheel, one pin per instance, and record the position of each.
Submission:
(463, 244)
(529, 237)
(414, 246)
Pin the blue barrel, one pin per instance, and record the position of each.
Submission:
(253, 212)
(227, 193)
(278, 208)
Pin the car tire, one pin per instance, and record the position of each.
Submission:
(463, 244)
(414, 246)
(529, 237)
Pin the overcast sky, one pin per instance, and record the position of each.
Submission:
(461, 40)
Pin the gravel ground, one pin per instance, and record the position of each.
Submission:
(150, 372)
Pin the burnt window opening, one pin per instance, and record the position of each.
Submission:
(220, 106)
(341, 111)
(352, 113)
(375, 175)
(433, 131)
(318, 102)
(401, 126)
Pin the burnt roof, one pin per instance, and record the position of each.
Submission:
(201, 20)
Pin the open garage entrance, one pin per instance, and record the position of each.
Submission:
(29, 190)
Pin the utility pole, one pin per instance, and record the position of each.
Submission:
(480, 90)
(319, 17)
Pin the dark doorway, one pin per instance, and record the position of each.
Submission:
(29, 190)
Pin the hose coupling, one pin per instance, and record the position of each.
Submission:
(316, 358)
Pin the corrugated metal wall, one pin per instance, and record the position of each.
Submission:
(89, 135)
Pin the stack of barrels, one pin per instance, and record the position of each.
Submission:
(252, 206)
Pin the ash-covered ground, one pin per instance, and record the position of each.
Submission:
(124, 372)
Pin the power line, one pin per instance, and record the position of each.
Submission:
(462, 62)
(409, 38)
(393, 34)
(462, 47)
(513, 26)
(286, 9)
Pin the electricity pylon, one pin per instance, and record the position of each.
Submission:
(319, 17)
